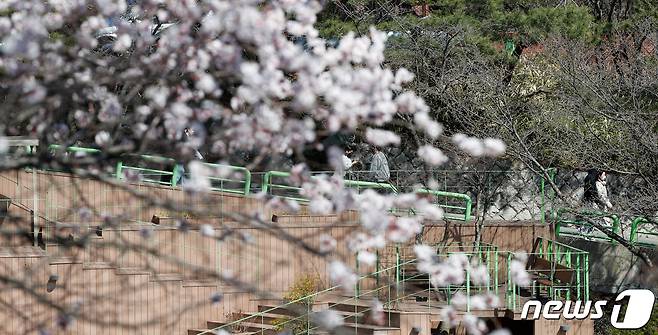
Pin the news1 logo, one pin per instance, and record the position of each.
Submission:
(638, 310)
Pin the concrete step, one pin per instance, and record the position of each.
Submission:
(160, 277)
(132, 271)
(358, 306)
(97, 265)
(265, 318)
(252, 327)
(274, 309)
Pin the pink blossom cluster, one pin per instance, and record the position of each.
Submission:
(234, 64)
(452, 270)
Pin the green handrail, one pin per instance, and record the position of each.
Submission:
(560, 222)
(635, 231)
(268, 185)
(370, 185)
(177, 172)
(53, 147)
(468, 203)
(267, 179)
(243, 170)
(157, 159)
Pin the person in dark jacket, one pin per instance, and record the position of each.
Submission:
(596, 196)
(596, 191)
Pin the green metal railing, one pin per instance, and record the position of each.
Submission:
(483, 254)
(643, 238)
(562, 257)
(578, 228)
(569, 257)
(463, 211)
(170, 177)
(149, 175)
(222, 178)
(269, 186)
(460, 211)
(57, 147)
(236, 179)
(457, 206)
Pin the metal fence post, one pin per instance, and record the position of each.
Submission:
(176, 174)
(119, 170)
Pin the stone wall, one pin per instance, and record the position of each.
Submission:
(510, 191)
(613, 268)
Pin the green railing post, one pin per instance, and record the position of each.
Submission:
(634, 229)
(267, 178)
(247, 181)
(119, 170)
(177, 174)
(635, 233)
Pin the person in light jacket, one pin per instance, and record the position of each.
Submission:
(379, 170)
(346, 163)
